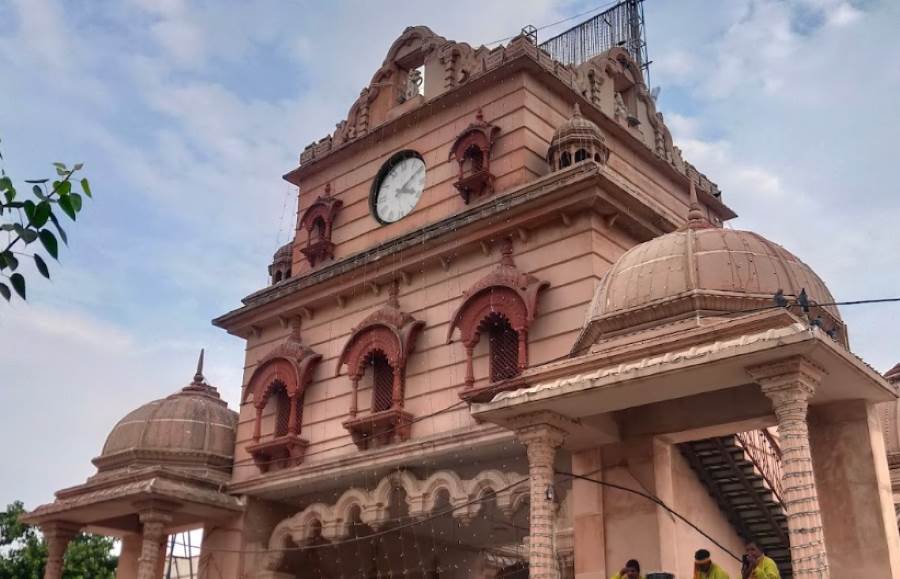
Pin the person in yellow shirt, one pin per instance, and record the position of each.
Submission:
(704, 568)
(757, 565)
(631, 570)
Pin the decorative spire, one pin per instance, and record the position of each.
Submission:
(576, 111)
(199, 380)
(696, 219)
(479, 116)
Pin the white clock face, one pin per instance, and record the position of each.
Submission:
(400, 189)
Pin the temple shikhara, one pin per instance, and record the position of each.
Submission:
(512, 336)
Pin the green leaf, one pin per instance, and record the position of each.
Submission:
(18, 283)
(38, 192)
(65, 203)
(29, 209)
(75, 199)
(41, 266)
(86, 187)
(59, 165)
(41, 214)
(49, 241)
(36, 181)
(5, 183)
(4, 291)
(64, 188)
(10, 260)
(27, 235)
(62, 232)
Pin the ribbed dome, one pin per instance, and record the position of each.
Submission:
(192, 430)
(702, 269)
(284, 253)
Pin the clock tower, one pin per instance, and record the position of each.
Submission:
(451, 234)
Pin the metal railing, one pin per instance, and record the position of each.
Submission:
(763, 450)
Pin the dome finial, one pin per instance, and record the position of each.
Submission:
(198, 376)
(696, 219)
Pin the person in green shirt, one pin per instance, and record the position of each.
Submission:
(631, 570)
(704, 568)
(757, 565)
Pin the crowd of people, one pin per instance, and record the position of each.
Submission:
(755, 566)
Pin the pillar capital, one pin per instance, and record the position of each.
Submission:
(63, 530)
(794, 372)
(542, 428)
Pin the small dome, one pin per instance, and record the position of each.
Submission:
(701, 269)
(576, 140)
(191, 430)
(285, 252)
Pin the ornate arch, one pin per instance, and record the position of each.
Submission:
(505, 291)
(421, 497)
(392, 333)
(290, 366)
(473, 146)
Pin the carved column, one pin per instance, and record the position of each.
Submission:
(152, 536)
(257, 426)
(354, 395)
(541, 438)
(523, 348)
(57, 534)
(790, 383)
(470, 372)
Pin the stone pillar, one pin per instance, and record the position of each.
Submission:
(128, 557)
(854, 490)
(590, 530)
(542, 436)
(152, 536)
(57, 534)
(790, 383)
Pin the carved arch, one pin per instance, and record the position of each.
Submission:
(392, 333)
(506, 291)
(472, 147)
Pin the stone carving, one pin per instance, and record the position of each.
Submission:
(413, 84)
(372, 508)
(318, 221)
(506, 290)
(472, 150)
(601, 80)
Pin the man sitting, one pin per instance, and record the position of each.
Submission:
(631, 570)
(704, 568)
(757, 565)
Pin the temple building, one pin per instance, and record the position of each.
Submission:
(511, 337)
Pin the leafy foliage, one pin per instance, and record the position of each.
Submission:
(26, 221)
(23, 552)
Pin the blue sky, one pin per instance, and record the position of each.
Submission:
(186, 114)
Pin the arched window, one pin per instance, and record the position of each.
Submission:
(503, 347)
(382, 382)
(500, 308)
(277, 275)
(474, 159)
(580, 155)
(565, 159)
(318, 230)
(281, 401)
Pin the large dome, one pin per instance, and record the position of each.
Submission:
(701, 269)
(191, 430)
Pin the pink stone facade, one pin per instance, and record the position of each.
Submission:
(539, 371)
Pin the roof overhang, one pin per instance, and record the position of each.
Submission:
(596, 387)
(110, 504)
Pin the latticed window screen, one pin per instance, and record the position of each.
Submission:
(382, 383)
(503, 347)
(282, 410)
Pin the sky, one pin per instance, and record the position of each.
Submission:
(186, 114)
